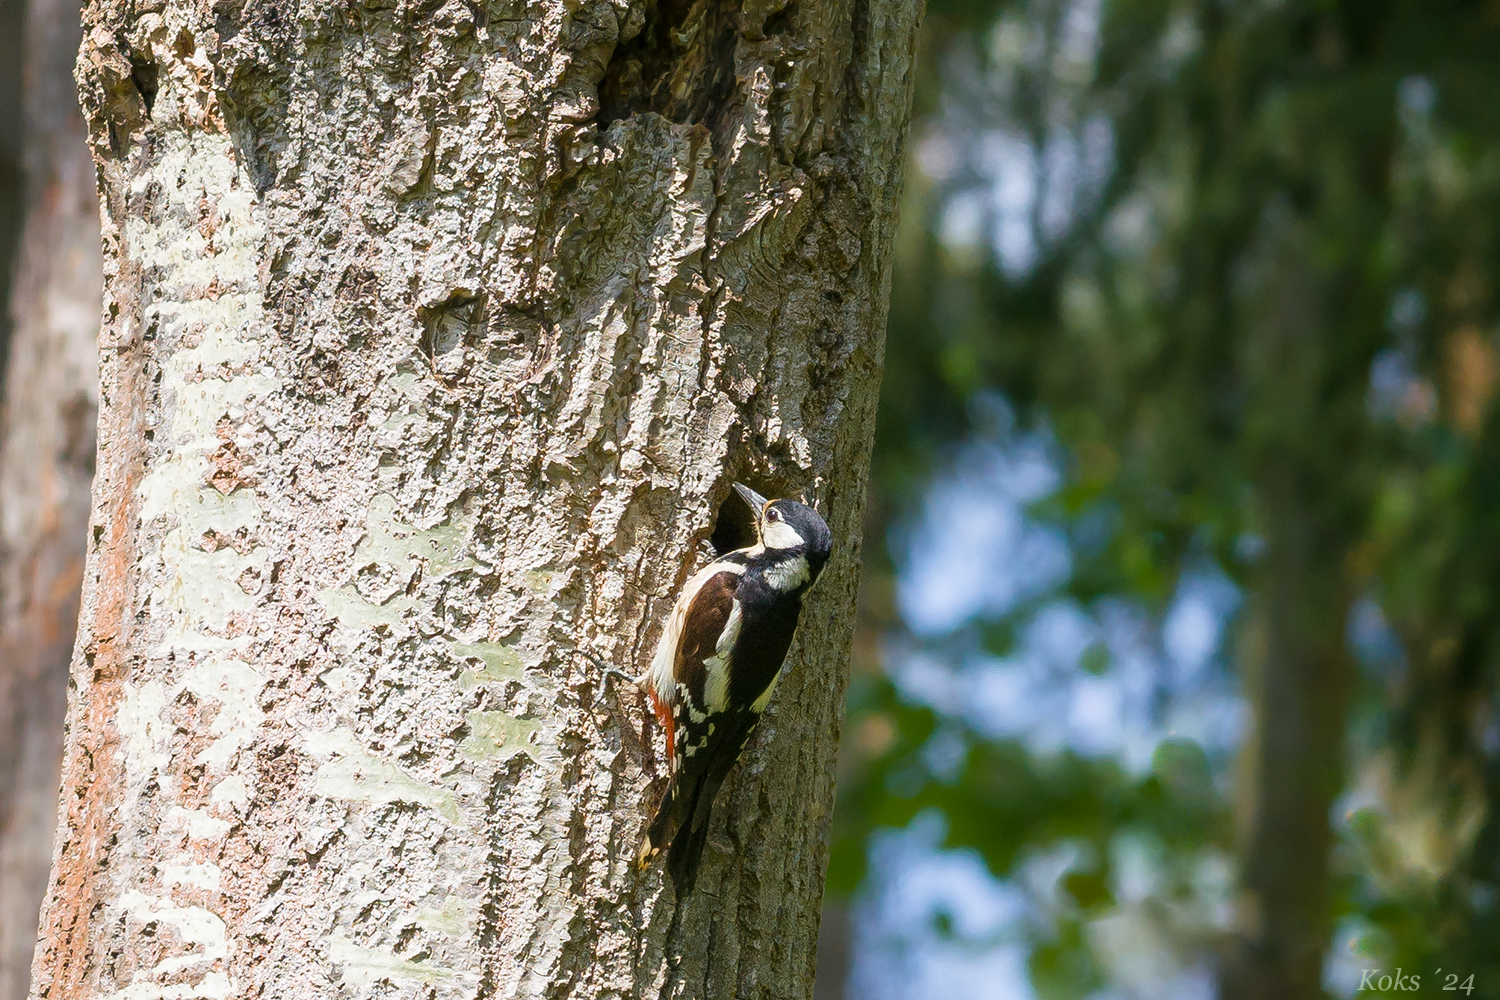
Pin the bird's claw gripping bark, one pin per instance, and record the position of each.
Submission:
(609, 671)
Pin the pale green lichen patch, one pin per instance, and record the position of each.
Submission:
(236, 687)
(394, 425)
(201, 588)
(388, 560)
(213, 680)
(406, 383)
(143, 730)
(200, 581)
(362, 966)
(402, 405)
(501, 662)
(346, 604)
(539, 580)
(496, 733)
(175, 487)
(200, 930)
(392, 541)
(452, 919)
(353, 774)
(201, 245)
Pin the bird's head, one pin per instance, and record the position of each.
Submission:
(790, 527)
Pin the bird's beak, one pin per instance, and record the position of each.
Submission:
(755, 500)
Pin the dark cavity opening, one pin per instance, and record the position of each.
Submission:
(734, 525)
(143, 73)
(680, 65)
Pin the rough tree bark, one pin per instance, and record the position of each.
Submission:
(434, 334)
(49, 394)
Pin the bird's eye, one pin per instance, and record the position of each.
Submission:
(773, 515)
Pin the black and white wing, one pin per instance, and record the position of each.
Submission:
(707, 734)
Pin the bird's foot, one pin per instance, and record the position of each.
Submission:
(609, 671)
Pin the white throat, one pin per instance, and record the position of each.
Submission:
(786, 575)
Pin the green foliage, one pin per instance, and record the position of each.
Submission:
(1276, 314)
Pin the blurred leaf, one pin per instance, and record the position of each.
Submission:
(1090, 891)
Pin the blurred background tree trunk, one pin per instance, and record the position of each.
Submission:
(1297, 685)
(434, 337)
(47, 413)
(1296, 662)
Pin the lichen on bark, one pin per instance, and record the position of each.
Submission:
(423, 367)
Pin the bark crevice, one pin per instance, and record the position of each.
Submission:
(680, 65)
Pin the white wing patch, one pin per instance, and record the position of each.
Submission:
(716, 681)
(660, 674)
(759, 705)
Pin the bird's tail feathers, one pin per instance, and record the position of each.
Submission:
(687, 847)
(671, 813)
(680, 828)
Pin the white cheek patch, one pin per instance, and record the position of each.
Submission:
(780, 535)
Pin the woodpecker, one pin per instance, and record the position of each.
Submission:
(717, 663)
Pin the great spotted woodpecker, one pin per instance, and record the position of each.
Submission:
(717, 663)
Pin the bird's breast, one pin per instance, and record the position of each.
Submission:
(760, 648)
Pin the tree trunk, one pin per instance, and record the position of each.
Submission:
(1297, 686)
(435, 334)
(49, 396)
(1296, 660)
